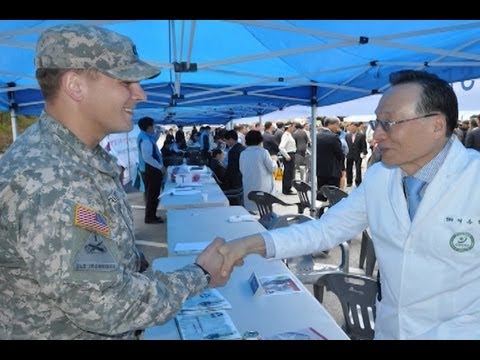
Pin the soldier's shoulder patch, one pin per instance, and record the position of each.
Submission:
(92, 220)
(95, 255)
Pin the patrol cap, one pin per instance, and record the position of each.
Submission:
(78, 46)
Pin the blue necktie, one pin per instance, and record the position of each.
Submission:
(413, 186)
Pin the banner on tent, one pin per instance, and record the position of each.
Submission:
(124, 147)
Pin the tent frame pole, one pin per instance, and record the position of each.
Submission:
(313, 160)
(13, 119)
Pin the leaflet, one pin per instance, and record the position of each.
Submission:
(273, 285)
(190, 247)
(214, 325)
(208, 300)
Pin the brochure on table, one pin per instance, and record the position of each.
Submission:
(212, 325)
(208, 300)
(273, 285)
(203, 317)
(190, 248)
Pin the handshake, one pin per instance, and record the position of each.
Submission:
(220, 257)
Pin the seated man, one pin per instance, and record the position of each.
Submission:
(216, 164)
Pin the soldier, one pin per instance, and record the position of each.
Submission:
(69, 268)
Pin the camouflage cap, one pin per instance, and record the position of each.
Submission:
(90, 47)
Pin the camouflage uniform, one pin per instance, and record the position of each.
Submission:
(68, 262)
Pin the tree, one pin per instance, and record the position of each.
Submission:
(6, 137)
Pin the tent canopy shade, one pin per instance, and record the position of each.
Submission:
(256, 66)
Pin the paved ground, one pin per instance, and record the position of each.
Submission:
(151, 239)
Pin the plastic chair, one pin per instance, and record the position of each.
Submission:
(304, 266)
(289, 219)
(357, 295)
(173, 160)
(367, 257)
(367, 252)
(302, 189)
(265, 201)
(234, 196)
(194, 157)
(333, 195)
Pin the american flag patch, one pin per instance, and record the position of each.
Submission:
(91, 220)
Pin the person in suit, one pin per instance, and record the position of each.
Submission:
(216, 165)
(330, 157)
(279, 132)
(234, 176)
(301, 141)
(472, 139)
(357, 146)
(269, 142)
(180, 138)
(426, 241)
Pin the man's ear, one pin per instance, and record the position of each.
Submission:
(439, 124)
(73, 85)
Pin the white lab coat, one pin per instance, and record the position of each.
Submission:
(256, 166)
(429, 290)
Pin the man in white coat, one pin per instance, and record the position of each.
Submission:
(428, 252)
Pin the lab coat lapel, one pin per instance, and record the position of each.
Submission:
(397, 198)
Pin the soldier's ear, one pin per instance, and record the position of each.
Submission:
(74, 85)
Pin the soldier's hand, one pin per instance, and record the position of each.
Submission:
(233, 253)
(212, 261)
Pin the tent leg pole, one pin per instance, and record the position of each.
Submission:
(313, 161)
(13, 119)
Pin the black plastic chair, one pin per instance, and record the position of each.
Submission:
(333, 195)
(302, 189)
(367, 254)
(195, 157)
(234, 196)
(357, 295)
(289, 219)
(173, 160)
(265, 201)
(304, 266)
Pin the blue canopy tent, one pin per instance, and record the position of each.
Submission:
(243, 64)
(252, 62)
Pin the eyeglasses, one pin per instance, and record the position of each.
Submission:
(387, 124)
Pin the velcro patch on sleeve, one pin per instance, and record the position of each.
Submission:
(95, 256)
(91, 220)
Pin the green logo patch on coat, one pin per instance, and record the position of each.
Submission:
(462, 241)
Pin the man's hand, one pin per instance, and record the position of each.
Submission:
(233, 253)
(211, 259)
